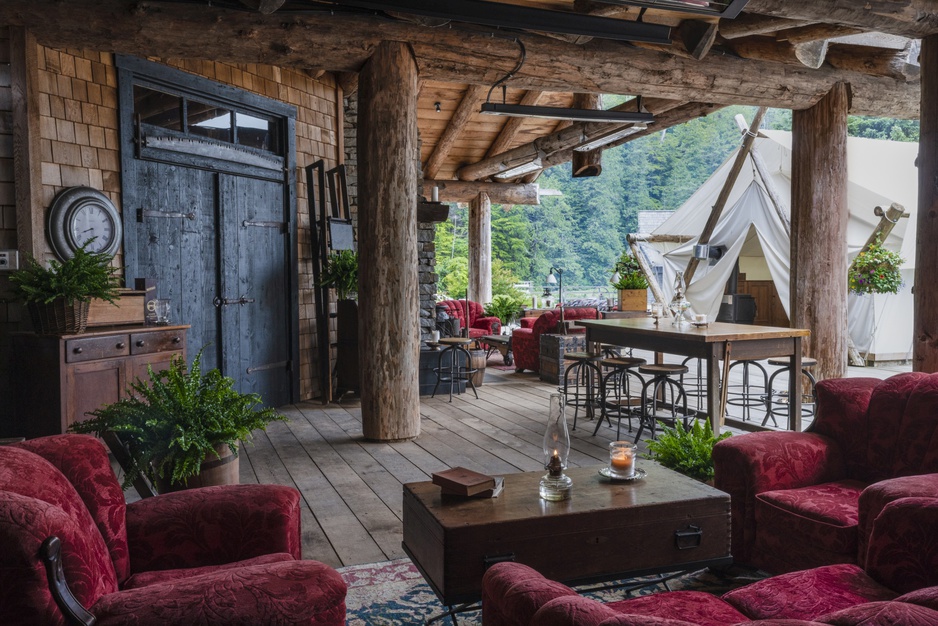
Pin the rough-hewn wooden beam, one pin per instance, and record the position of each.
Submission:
(498, 193)
(263, 6)
(587, 164)
(876, 61)
(389, 344)
(909, 18)
(348, 81)
(696, 37)
(343, 43)
(468, 106)
(512, 126)
(748, 24)
(27, 169)
(480, 248)
(815, 32)
(808, 54)
(925, 336)
(819, 230)
(541, 148)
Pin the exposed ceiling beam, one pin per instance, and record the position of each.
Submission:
(344, 42)
(264, 6)
(815, 32)
(696, 37)
(748, 24)
(873, 60)
(586, 164)
(498, 193)
(512, 126)
(468, 106)
(909, 18)
(808, 54)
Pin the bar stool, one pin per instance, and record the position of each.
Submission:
(661, 380)
(455, 372)
(695, 386)
(617, 398)
(744, 396)
(779, 407)
(579, 382)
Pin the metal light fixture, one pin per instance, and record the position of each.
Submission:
(563, 113)
(558, 280)
(702, 251)
(608, 138)
(520, 170)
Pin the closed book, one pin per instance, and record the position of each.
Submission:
(463, 482)
(494, 492)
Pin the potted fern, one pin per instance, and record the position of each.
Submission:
(58, 296)
(630, 280)
(688, 451)
(505, 307)
(182, 428)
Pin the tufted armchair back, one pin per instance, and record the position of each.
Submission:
(547, 322)
(885, 429)
(457, 309)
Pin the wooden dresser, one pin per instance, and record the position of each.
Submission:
(57, 379)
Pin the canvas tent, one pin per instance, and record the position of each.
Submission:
(879, 173)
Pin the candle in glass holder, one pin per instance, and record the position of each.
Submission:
(622, 459)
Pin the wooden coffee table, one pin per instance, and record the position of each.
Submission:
(502, 343)
(606, 531)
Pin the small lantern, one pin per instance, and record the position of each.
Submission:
(555, 486)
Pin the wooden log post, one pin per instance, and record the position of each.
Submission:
(925, 338)
(480, 248)
(389, 316)
(27, 160)
(819, 229)
(590, 163)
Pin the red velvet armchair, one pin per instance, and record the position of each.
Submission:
(896, 588)
(800, 500)
(479, 325)
(218, 555)
(526, 341)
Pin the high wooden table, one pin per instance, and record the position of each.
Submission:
(714, 342)
(606, 531)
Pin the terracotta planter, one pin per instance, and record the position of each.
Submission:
(633, 299)
(215, 471)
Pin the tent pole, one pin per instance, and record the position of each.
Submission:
(728, 184)
(646, 270)
(780, 209)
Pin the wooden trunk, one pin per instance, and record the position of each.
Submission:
(925, 347)
(604, 532)
(389, 333)
(127, 309)
(633, 299)
(819, 230)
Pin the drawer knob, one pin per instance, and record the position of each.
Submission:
(77, 350)
(121, 345)
(140, 343)
(176, 339)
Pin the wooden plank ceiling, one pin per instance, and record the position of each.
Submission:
(783, 53)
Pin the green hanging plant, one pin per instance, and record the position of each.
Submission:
(875, 270)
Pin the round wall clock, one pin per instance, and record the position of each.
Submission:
(80, 214)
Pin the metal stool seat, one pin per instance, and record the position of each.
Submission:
(779, 406)
(743, 395)
(454, 372)
(662, 382)
(617, 398)
(579, 381)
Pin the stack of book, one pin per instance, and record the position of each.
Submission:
(460, 481)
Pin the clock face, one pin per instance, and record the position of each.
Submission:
(91, 222)
(80, 216)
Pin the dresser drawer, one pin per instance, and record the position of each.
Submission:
(92, 348)
(157, 341)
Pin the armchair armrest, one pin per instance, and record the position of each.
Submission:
(492, 325)
(750, 464)
(212, 526)
(902, 554)
(527, 322)
(875, 498)
(574, 611)
(513, 592)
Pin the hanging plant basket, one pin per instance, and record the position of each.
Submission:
(875, 270)
(59, 317)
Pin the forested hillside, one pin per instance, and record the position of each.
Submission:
(584, 230)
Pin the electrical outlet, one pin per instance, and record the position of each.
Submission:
(9, 260)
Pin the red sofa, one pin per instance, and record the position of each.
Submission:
(526, 341)
(479, 325)
(800, 500)
(897, 588)
(217, 555)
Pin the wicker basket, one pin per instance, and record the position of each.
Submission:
(58, 317)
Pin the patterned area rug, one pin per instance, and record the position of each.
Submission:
(393, 593)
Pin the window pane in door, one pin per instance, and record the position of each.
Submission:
(208, 120)
(257, 132)
(157, 108)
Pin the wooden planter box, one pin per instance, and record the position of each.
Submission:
(633, 299)
(130, 309)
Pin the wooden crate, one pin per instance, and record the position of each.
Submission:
(606, 531)
(130, 309)
(553, 347)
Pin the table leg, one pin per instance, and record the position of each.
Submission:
(795, 385)
(714, 409)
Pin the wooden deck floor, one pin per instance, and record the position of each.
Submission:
(352, 488)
